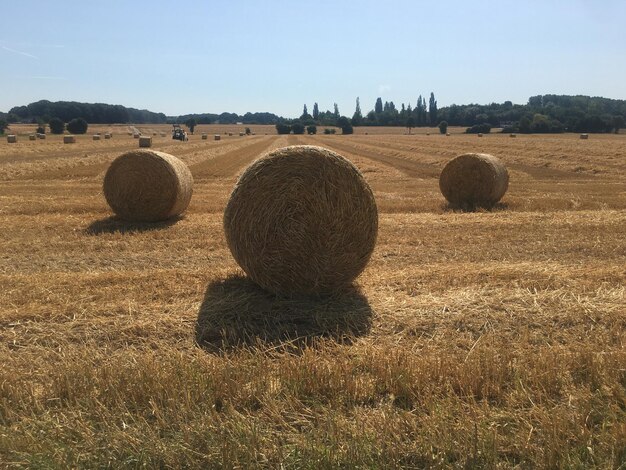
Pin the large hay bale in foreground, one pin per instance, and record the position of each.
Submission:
(301, 220)
(69, 139)
(148, 186)
(11, 139)
(145, 141)
(474, 180)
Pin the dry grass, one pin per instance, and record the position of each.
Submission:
(487, 339)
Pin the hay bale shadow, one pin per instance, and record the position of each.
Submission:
(470, 207)
(237, 313)
(116, 225)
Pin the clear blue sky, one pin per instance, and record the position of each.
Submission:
(181, 57)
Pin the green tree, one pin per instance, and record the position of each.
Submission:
(297, 128)
(378, 107)
(283, 128)
(3, 125)
(432, 109)
(311, 130)
(77, 126)
(191, 124)
(410, 123)
(346, 126)
(57, 126)
(336, 111)
(316, 111)
(443, 127)
(357, 117)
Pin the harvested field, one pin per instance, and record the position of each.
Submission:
(483, 339)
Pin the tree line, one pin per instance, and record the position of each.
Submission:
(541, 114)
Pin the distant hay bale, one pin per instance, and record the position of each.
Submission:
(96, 137)
(447, 134)
(584, 136)
(11, 138)
(147, 186)
(241, 134)
(301, 220)
(136, 135)
(154, 133)
(145, 141)
(205, 136)
(230, 134)
(217, 137)
(474, 180)
(513, 135)
(428, 133)
(41, 136)
(107, 136)
(32, 137)
(69, 139)
(479, 134)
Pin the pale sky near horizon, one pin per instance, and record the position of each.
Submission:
(275, 56)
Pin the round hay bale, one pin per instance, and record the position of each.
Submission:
(480, 134)
(301, 220)
(474, 180)
(69, 139)
(148, 186)
(11, 139)
(584, 136)
(136, 136)
(107, 136)
(41, 136)
(513, 135)
(32, 137)
(145, 141)
(447, 134)
(96, 137)
(217, 137)
(205, 136)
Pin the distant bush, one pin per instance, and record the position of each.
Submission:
(311, 130)
(297, 128)
(248, 131)
(345, 124)
(41, 129)
(56, 125)
(77, 126)
(329, 131)
(443, 127)
(283, 128)
(3, 125)
(484, 128)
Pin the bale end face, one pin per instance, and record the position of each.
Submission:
(474, 180)
(145, 141)
(301, 220)
(148, 186)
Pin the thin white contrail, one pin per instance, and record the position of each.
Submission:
(20, 52)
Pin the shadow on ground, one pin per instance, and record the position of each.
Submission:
(236, 313)
(498, 207)
(115, 225)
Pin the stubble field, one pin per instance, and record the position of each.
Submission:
(484, 339)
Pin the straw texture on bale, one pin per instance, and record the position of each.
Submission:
(11, 138)
(32, 137)
(301, 220)
(474, 180)
(145, 141)
(69, 139)
(148, 186)
(217, 137)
